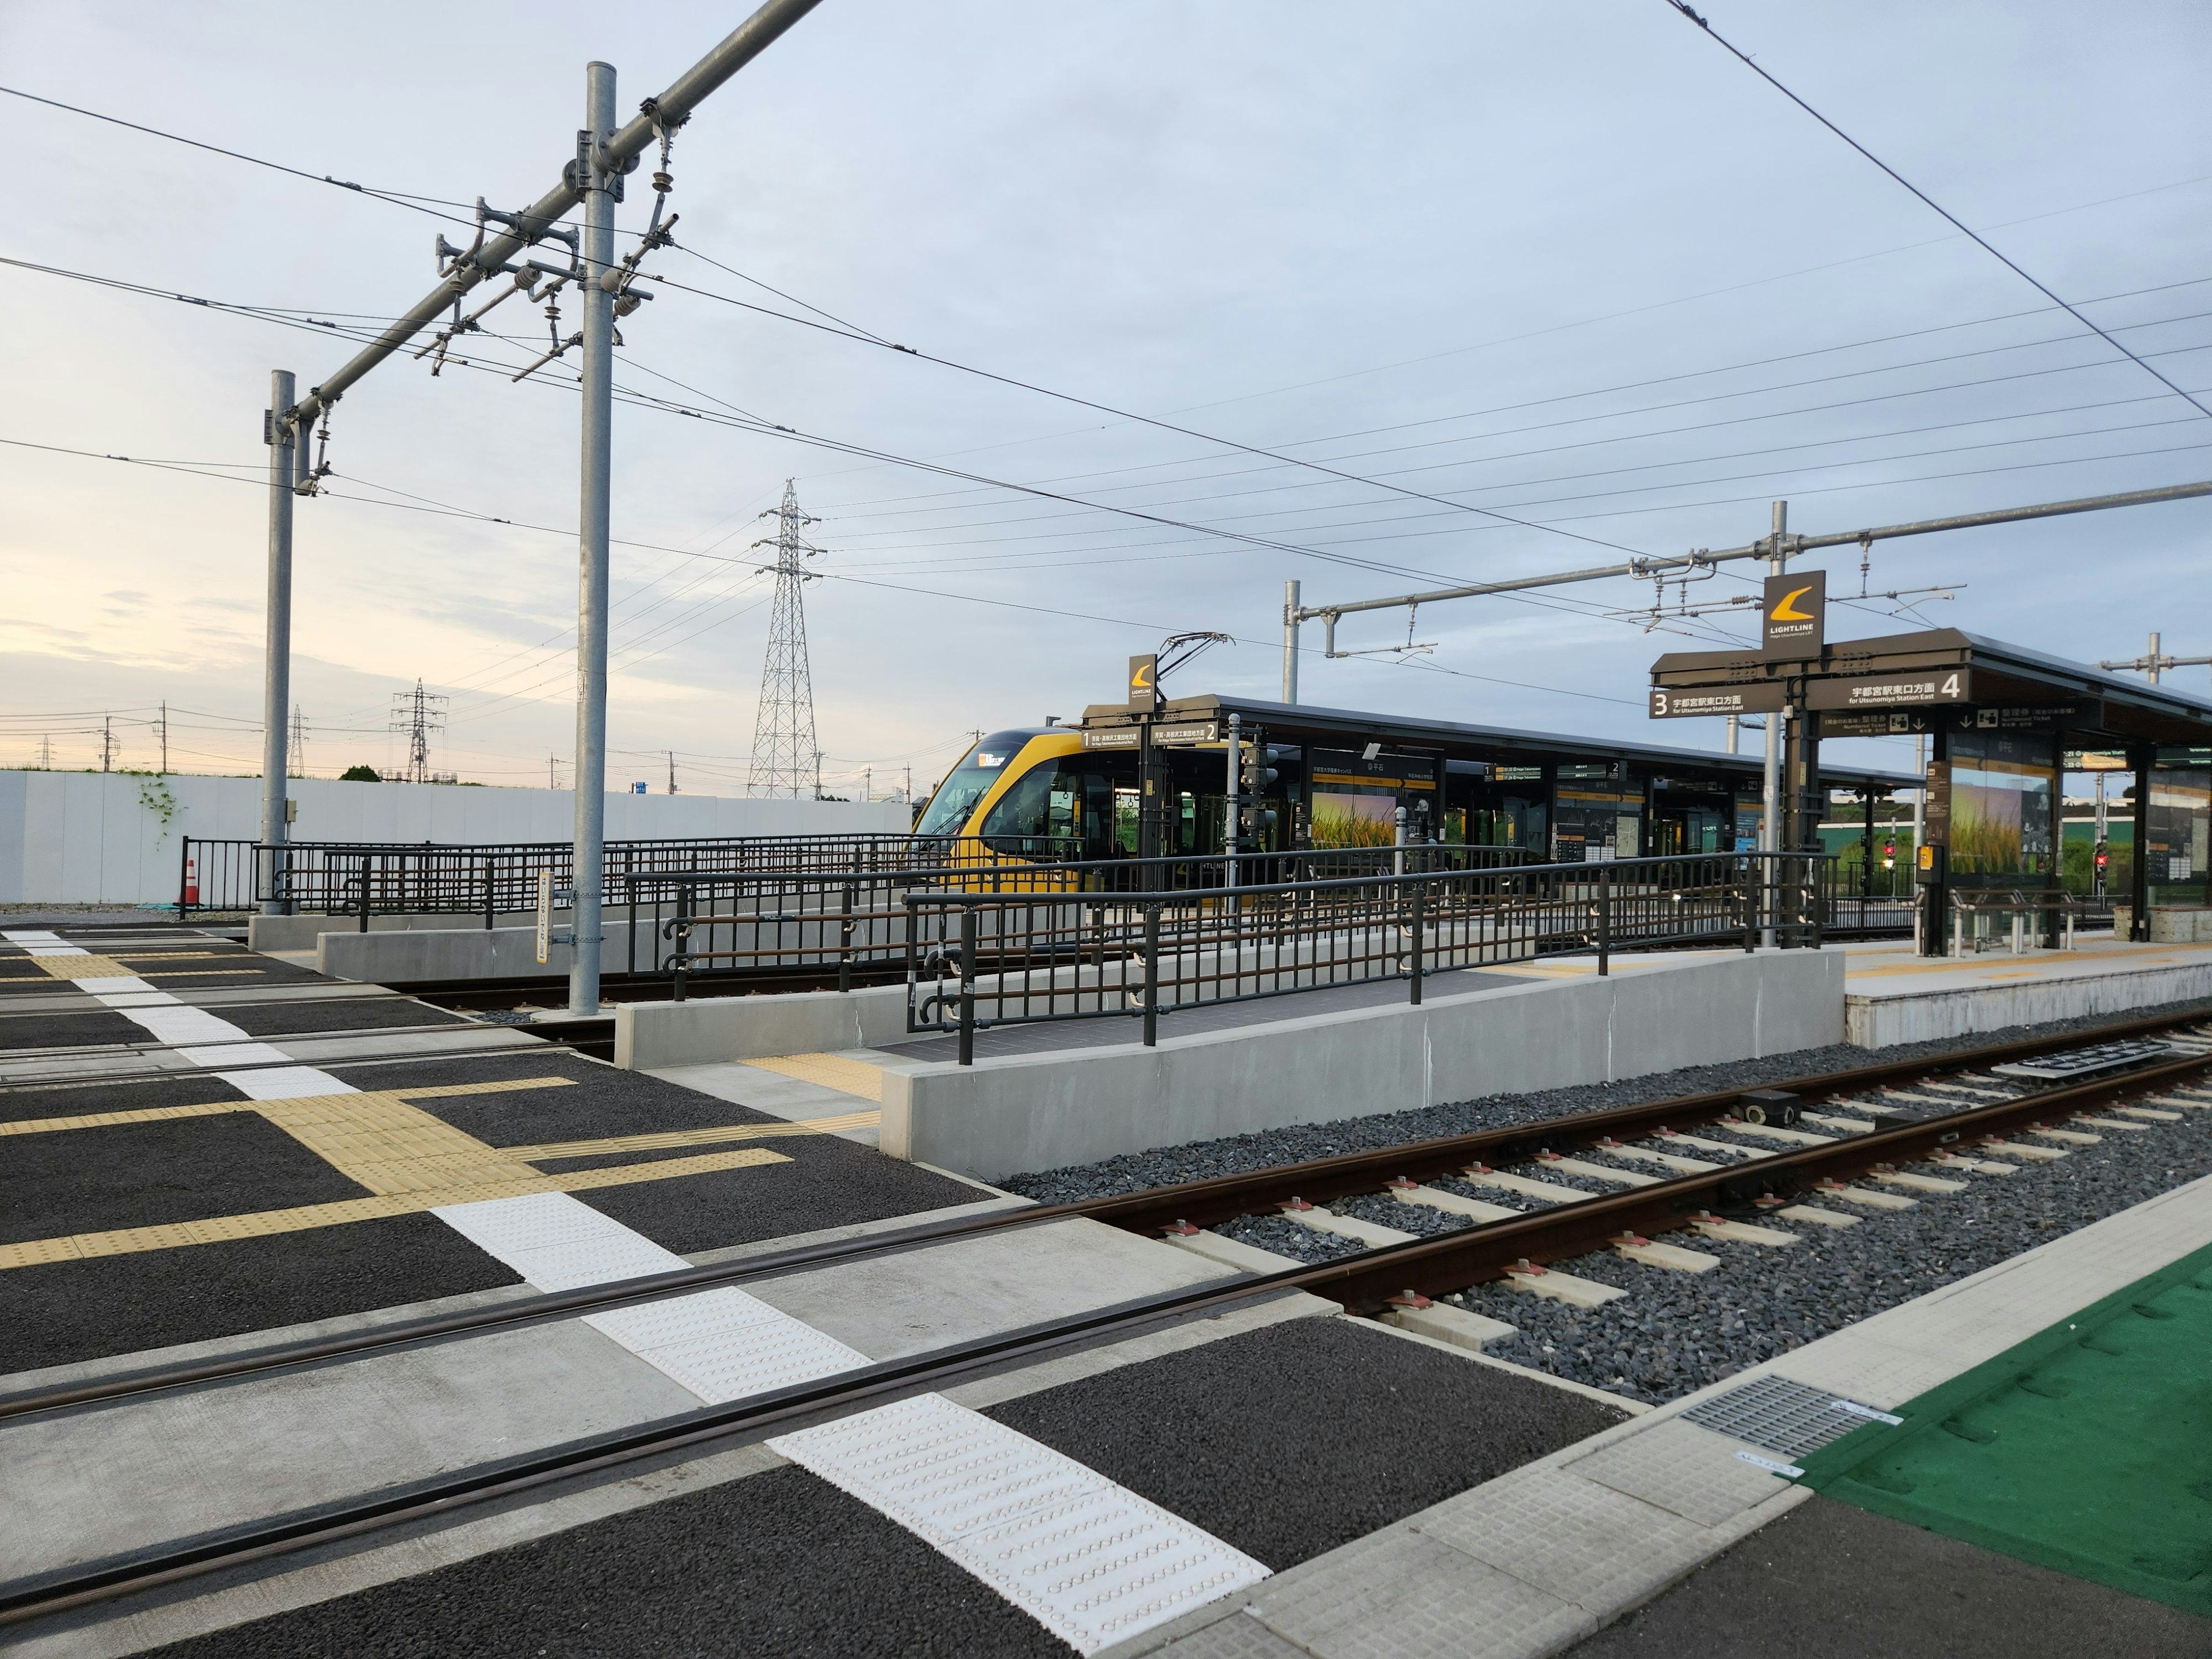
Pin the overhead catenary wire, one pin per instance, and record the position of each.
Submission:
(1948, 217)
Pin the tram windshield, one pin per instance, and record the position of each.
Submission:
(954, 803)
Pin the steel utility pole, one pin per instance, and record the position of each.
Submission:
(1291, 617)
(287, 443)
(609, 155)
(1769, 824)
(595, 176)
(2155, 662)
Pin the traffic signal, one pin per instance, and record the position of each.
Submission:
(2102, 857)
(1889, 854)
(1256, 774)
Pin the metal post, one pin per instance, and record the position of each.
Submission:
(2152, 659)
(2139, 859)
(685, 898)
(845, 942)
(1417, 920)
(1398, 842)
(490, 861)
(1232, 831)
(594, 524)
(276, 667)
(1604, 920)
(966, 985)
(1289, 642)
(2098, 852)
(1151, 977)
(1735, 736)
(1770, 825)
(1866, 863)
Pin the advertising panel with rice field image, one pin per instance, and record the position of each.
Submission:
(1343, 820)
(2000, 821)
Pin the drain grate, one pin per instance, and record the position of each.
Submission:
(1783, 1417)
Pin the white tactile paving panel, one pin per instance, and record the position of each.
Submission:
(557, 1242)
(286, 1082)
(43, 944)
(235, 1054)
(1090, 1560)
(181, 1023)
(724, 1345)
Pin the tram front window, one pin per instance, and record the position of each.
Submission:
(1058, 809)
(955, 800)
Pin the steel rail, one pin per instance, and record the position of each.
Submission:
(1363, 1281)
(1152, 1211)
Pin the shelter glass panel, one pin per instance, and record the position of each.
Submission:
(2004, 816)
(2179, 842)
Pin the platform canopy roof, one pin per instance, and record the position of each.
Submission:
(2093, 708)
(1301, 725)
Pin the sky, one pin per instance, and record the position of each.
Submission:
(1538, 287)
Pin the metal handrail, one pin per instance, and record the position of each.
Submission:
(1081, 955)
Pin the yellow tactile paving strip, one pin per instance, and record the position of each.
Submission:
(554, 1150)
(409, 1160)
(846, 1076)
(77, 1247)
(2043, 962)
(85, 967)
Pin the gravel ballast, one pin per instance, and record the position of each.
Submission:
(1675, 1332)
(1201, 1160)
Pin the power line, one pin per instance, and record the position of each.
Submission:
(1950, 218)
(398, 198)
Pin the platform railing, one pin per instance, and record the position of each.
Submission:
(685, 923)
(981, 960)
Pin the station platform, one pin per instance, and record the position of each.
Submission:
(1893, 995)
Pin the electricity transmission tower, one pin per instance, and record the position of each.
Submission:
(786, 761)
(415, 715)
(299, 767)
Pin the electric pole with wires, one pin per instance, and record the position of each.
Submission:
(786, 761)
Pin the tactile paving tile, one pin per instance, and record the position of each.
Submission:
(848, 1077)
(1090, 1560)
(558, 1243)
(1777, 1415)
(724, 1345)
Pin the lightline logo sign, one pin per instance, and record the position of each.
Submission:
(1795, 613)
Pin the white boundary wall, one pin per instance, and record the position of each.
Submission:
(90, 838)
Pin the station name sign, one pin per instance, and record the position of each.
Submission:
(1670, 703)
(1128, 736)
(1936, 685)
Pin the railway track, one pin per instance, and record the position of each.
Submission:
(1967, 1101)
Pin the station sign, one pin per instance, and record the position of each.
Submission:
(1672, 703)
(1876, 723)
(1164, 737)
(1794, 613)
(1934, 686)
(2015, 720)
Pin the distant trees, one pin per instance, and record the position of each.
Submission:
(360, 774)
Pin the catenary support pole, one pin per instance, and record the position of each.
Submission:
(277, 668)
(594, 522)
(1770, 820)
(1289, 642)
